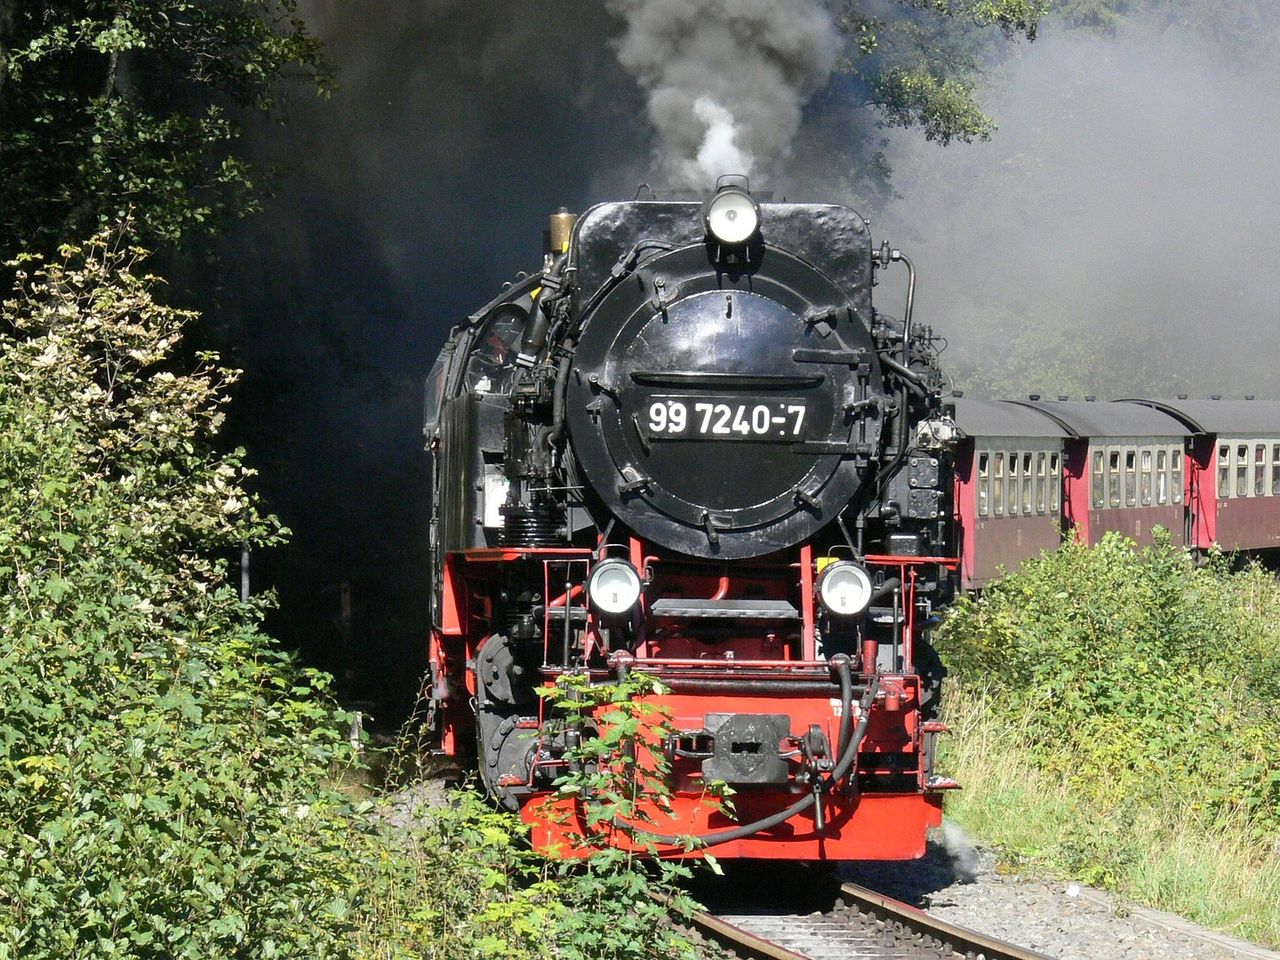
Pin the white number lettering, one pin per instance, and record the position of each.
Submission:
(740, 423)
(760, 419)
(678, 417)
(723, 413)
(797, 411)
(704, 409)
(658, 417)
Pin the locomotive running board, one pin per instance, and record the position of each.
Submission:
(725, 609)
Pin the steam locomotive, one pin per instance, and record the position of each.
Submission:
(691, 446)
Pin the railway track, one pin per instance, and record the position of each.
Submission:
(861, 923)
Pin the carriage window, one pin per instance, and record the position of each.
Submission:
(1099, 488)
(1224, 471)
(1175, 476)
(1026, 484)
(1011, 498)
(1162, 476)
(1113, 478)
(1054, 483)
(1275, 469)
(1144, 480)
(984, 484)
(997, 487)
(1259, 470)
(1130, 477)
(1040, 478)
(1242, 470)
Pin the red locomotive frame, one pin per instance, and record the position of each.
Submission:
(881, 810)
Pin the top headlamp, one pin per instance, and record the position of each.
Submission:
(731, 216)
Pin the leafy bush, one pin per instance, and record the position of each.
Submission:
(458, 881)
(160, 761)
(617, 774)
(166, 771)
(1214, 870)
(1141, 675)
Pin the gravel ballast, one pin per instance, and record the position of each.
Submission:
(959, 883)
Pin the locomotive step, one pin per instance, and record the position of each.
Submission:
(725, 609)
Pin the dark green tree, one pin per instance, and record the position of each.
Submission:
(906, 63)
(916, 65)
(132, 108)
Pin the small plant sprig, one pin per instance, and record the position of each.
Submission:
(617, 776)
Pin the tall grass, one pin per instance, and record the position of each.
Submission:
(1213, 869)
(1118, 712)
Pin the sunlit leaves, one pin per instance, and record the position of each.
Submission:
(917, 63)
(155, 748)
(617, 780)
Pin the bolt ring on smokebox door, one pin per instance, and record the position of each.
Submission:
(719, 336)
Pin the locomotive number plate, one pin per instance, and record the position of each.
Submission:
(725, 418)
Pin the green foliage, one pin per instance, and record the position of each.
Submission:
(1214, 870)
(160, 760)
(944, 108)
(130, 108)
(163, 767)
(617, 781)
(459, 882)
(1241, 26)
(917, 66)
(1142, 676)
(1115, 715)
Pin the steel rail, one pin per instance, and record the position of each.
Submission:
(919, 933)
(962, 940)
(742, 942)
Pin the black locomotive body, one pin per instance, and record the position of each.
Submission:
(691, 446)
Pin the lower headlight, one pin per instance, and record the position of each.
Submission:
(613, 587)
(844, 589)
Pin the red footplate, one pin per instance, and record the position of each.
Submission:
(881, 811)
(872, 827)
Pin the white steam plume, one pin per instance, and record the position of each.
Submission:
(726, 79)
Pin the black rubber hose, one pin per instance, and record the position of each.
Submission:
(886, 588)
(843, 765)
(558, 396)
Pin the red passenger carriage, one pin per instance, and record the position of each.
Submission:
(1233, 476)
(1208, 471)
(1008, 487)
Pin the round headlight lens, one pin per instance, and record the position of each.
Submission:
(844, 589)
(732, 216)
(613, 587)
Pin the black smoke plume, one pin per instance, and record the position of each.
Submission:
(726, 79)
